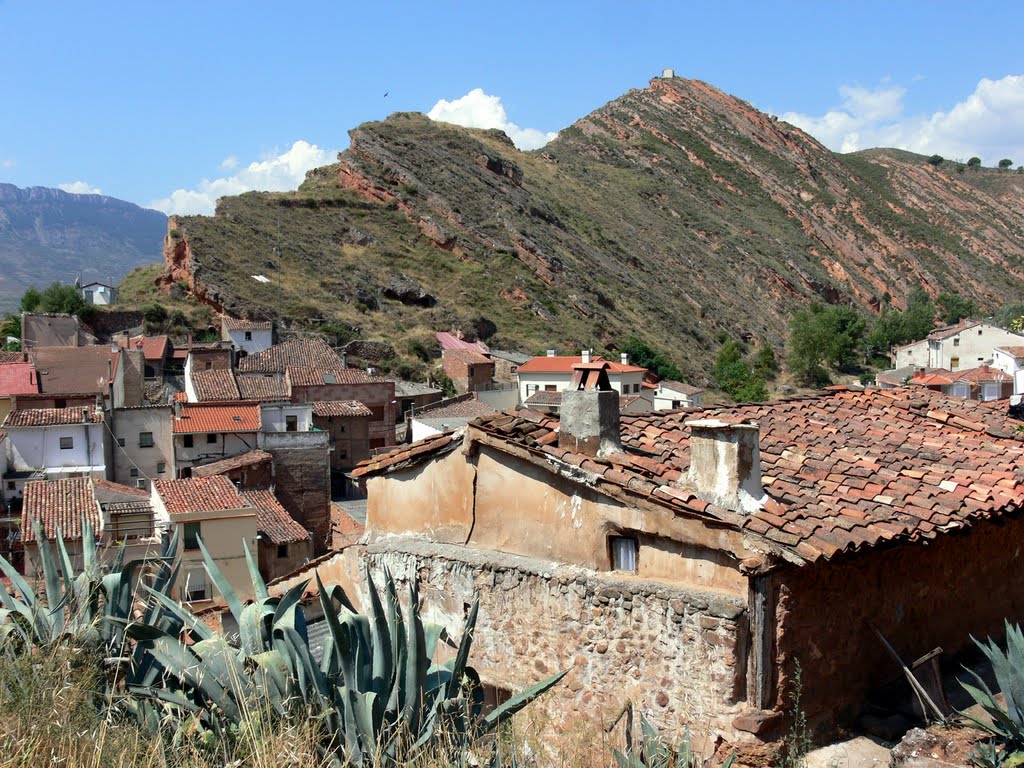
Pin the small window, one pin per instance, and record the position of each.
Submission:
(550, 388)
(133, 472)
(207, 365)
(291, 423)
(140, 483)
(211, 438)
(248, 335)
(60, 403)
(193, 532)
(956, 342)
(979, 331)
(66, 443)
(282, 551)
(624, 551)
(188, 441)
(197, 592)
(120, 442)
(161, 467)
(11, 485)
(145, 439)
(954, 362)
(185, 472)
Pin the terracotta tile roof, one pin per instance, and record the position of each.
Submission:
(247, 459)
(199, 494)
(468, 356)
(264, 387)
(59, 503)
(842, 470)
(1012, 351)
(11, 357)
(448, 341)
(74, 370)
(564, 364)
(983, 373)
(215, 386)
(952, 330)
(181, 397)
(18, 379)
(933, 378)
(409, 455)
(109, 491)
(297, 353)
(217, 417)
(153, 347)
(678, 386)
(543, 397)
(316, 377)
(272, 520)
(53, 417)
(341, 408)
(460, 407)
(236, 324)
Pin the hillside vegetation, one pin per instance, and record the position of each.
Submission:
(677, 214)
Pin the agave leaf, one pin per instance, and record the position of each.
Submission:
(51, 577)
(289, 612)
(465, 643)
(222, 584)
(382, 656)
(259, 586)
(194, 624)
(519, 701)
(366, 723)
(250, 629)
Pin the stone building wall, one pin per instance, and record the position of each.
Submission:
(303, 486)
(921, 596)
(679, 655)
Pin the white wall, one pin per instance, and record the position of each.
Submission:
(227, 444)
(628, 383)
(274, 415)
(972, 347)
(915, 354)
(127, 424)
(260, 340)
(31, 448)
(665, 399)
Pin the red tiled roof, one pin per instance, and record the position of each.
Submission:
(448, 341)
(1012, 351)
(933, 378)
(564, 364)
(59, 503)
(316, 377)
(247, 459)
(217, 417)
(341, 408)
(842, 470)
(297, 353)
(264, 387)
(199, 494)
(983, 373)
(460, 407)
(272, 520)
(107, 490)
(74, 370)
(468, 356)
(18, 379)
(679, 386)
(543, 397)
(236, 324)
(952, 330)
(53, 417)
(181, 397)
(215, 385)
(153, 347)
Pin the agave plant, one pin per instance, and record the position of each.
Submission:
(656, 752)
(375, 690)
(1005, 724)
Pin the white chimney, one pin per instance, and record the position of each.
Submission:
(551, 353)
(585, 356)
(624, 358)
(725, 464)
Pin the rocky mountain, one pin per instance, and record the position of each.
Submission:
(676, 213)
(47, 235)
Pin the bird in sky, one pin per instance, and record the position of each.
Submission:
(386, 94)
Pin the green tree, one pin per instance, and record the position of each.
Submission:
(735, 376)
(953, 308)
(765, 364)
(58, 298)
(642, 354)
(824, 335)
(936, 160)
(974, 162)
(1005, 163)
(889, 330)
(919, 319)
(30, 300)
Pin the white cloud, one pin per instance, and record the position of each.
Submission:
(988, 123)
(229, 163)
(80, 188)
(7, 163)
(275, 174)
(481, 110)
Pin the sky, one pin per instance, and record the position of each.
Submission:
(173, 105)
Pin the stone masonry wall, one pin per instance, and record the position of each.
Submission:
(303, 486)
(672, 652)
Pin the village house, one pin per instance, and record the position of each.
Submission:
(506, 364)
(247, 471)
(347, 422)
(156, 352)
(99, 294)
(966, 344)
(44, 329)
(143, 448)
(284, 545)
(412, 395)
(981, 383)
(1009, 359)
(208, 432)
(686, 560)
(553, 373)
(469, 371)
(446, 415)
(51, 443)
(16, 379)
(671, 395)
(247, 336)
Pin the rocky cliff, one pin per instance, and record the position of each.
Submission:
(674, 213)
(47, 235)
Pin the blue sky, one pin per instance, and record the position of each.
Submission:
(142, 99)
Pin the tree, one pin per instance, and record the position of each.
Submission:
(765, 364)
(919, 319)
(1005, 163)
(642, 354)
(735, 377)
(953, 308)
(893, 327)
(819, 335)
(58, 298)
(30, 300)
(974, 162)
(936, 160)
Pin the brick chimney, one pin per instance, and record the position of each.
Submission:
(589, 414)
(725, 463)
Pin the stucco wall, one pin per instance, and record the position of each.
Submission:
(39, 447)
(127, 424)
(202, 452)
(222, 536)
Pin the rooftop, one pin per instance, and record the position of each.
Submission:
(679, 386)
(296, 353)
(217, 417)
(199, 494)
(565, 363)
(237, 324)
(449, 341)
(18, 379)
(468, 356)
(53, 417)
(264, 387)
(316, 377)
(341, 408)
(215, 386)
(247, 459)
(843, 470)
(272, 520)
(74, 370)
(59, 504)
(153, 347)
(462, 406)
(947, 331)
(1014, 351)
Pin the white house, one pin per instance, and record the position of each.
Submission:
(553, 373)
(51, 443)
(287, 417)
(247, 336)
(675, 394)
(101, 294)
(144, 450)
(208, 432)
(968, 344)
(1010, 359)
